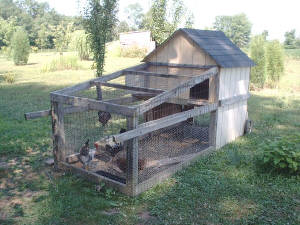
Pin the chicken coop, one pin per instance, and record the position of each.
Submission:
(134, 128)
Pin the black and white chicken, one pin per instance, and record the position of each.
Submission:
(85, 155)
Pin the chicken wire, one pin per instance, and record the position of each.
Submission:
(82, 126)
(173, 142)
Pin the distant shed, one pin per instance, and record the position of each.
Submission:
(142, 39)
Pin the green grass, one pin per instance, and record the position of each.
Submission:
(293, 53)
(226, 187)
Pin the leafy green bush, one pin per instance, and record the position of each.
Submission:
(62, 63)
(274, 62)
(282, 154)
(9, 77)
(20, 47)
(133, 52)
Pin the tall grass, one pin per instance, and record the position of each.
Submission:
(62, 63)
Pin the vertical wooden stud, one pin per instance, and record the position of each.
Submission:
(132, 157)
(214, 83)
(58, 133)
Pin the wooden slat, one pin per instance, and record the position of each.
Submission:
(131, 88)
(90, 83)
(191, 66)
(35, 115)
(235, 99)
(93, 104)
(146, 73)
(161, 98)
(154, 125)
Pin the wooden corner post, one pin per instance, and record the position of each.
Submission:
(213, 98)
(132, 157)
(58, 133)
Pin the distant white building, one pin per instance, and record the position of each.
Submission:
(142, 39)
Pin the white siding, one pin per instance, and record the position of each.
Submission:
(231, 118)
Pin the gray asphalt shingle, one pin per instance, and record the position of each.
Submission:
(219, 47)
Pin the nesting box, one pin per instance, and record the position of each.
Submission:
(187, 98)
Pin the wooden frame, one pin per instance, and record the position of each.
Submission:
(153, 97)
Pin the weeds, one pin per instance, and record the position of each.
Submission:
(9, 77)
(62, 63)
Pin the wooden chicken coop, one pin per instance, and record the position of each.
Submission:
(144, 123)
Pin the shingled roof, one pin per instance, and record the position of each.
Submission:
(218, 46)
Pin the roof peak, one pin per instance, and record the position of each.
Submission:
(216, 44)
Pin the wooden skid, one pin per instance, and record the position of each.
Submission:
(93, 104)
(161, 98)
(34, 115)
(94, 177)
(131, 88)
(159, 177)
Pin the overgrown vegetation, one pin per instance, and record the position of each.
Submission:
(80, 43)
(257, 54)
(9, 77)
(282, 154)
(133, 52)
(20, 47)
(269, 59)
(62, 63)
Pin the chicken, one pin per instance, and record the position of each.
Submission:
(122, 164)
(84, 155)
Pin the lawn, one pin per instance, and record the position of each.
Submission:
(226, 187)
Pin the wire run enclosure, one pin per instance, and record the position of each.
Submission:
(142, 134)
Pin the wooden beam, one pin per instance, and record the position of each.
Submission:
(121, 101)
(146, 73)
(154, 125)
(93, 104)
(90, 83)
(131, 88)
(191, 66)
(161, 98)
(232, 100)
(38, 114)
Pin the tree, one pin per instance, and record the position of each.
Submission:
(290, 39)
(257, 53)
(7, 28)
(20, 46)
(237, 28)
(134, 16)
(100, 18)
(274, 62)
(164, 18)
(62, 36)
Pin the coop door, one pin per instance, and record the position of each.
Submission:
(200, 91)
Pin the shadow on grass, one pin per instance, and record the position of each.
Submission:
(222, 188)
